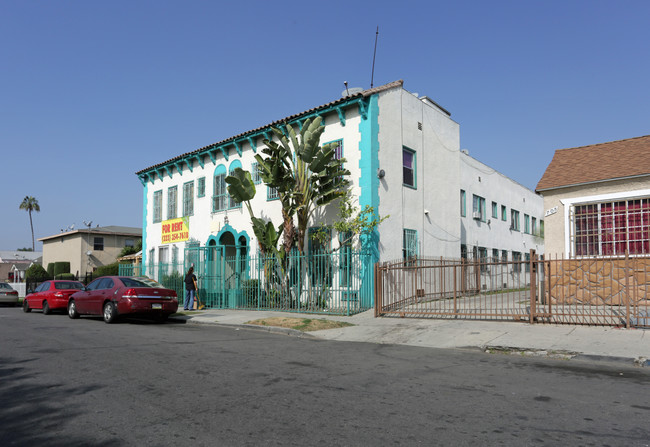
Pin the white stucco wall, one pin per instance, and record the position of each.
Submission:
(476, 178)
(203, 223)
(436, 147)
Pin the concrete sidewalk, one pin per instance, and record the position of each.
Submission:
(631, 346)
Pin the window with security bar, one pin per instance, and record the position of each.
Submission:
(172, 194)
(220, 196)
(611, 228)
(201, 187)
(272, 193)
(256, 173)
(231, 202)
(188, 198)
(410, 243)
(157, 206)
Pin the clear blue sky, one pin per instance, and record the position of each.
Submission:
(93, 91)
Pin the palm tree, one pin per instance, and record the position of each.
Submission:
(30, 204)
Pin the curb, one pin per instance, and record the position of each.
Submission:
(567, 355)
(273, 329)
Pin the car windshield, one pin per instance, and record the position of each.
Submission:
(4, 285)
(68, 285)
(138, 282)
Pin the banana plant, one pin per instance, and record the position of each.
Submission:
(242, 190)
(305, 175)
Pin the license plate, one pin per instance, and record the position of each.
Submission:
(156, 306)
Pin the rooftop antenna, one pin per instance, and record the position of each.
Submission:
(346, 87)
(372, 76)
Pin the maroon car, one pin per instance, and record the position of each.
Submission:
(114, 296)
(51, 295)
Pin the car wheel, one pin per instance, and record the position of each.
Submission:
(46, 308)
(26, 306)
(110, 314)
(72, 310)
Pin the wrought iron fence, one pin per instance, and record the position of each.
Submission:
(339, 283)
(599, 291)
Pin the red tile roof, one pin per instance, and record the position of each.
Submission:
(598, 162)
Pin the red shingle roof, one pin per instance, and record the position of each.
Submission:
(598, 162)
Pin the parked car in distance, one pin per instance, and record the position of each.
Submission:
(8, 295)
(114, 296)
(51, 295)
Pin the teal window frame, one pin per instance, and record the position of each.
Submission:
(200, 187)
(219, 191)
(157, 206)
(514, 216)
(504, 213)
(231, 202)
(412, 168)
(478, 205)
(172, 202)
(526, 224)
(516, 259)
(272, 194)
(541, 228)
(495, 210)
(482, 258)
(409, 243)
(534, 229)
(188, 198)
(463, 203)
(255, 173)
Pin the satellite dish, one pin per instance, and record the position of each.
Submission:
(88, 253)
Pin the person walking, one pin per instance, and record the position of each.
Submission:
(190, 289)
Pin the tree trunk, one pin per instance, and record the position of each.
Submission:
(32, 225)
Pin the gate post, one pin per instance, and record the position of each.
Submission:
(627, 290)
(533, 284)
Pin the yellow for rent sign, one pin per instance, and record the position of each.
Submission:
(175, 230)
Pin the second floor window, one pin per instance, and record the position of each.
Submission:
(172, 194)
(188, 199)
(463, 211)
(220, 196)
(408, 168)
(98, 243)
(201, 187)
(478, 208)
(157, 206)
(514, 214)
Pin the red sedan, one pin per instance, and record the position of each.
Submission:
(51, 295)
(114, 296)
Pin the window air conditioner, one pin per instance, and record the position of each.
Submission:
(476, 215)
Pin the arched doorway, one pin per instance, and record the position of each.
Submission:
(226, 267)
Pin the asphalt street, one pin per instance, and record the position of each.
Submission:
(83, 382)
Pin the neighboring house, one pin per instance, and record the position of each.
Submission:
(13, 264)
(87, 249)
(597, 199)
(501, 220)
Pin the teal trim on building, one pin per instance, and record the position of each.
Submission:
(145, 206)
(369, 165)
(234, 165)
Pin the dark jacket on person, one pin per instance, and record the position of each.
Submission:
(189, 281)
